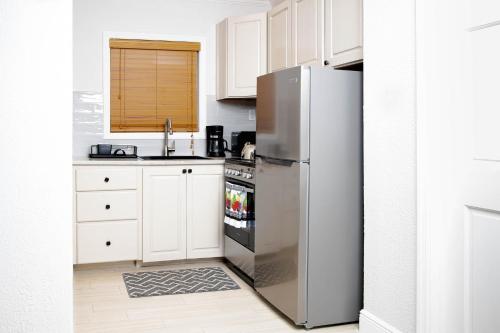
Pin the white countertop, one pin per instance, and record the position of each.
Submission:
(138, 162)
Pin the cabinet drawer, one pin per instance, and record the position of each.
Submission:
(107, 241)
(106, 206)
(104, 178)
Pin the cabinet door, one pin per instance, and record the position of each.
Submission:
(164, 213)
(279, 25)
(307, 32)
(247, 53)
(205, 211)
(343, 31)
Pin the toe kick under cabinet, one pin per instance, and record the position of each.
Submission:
(148, 213)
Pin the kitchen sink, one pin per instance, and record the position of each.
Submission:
(175, 157)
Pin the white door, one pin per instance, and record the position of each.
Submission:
(307, 32)
(247, 53)
(343, 32)
(459, 166)
(205, 211)
(164, 213)
(279, 27)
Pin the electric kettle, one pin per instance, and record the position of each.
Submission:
(248, 151)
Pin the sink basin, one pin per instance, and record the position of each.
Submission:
(175, 157)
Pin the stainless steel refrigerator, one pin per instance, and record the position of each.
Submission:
(308, 194)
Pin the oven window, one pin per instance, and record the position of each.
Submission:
(239, 205)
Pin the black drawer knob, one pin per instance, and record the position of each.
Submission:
(184, 170)
(108, 206)
(106, 179)
(190, 170)
(326, 62)
(108, 243)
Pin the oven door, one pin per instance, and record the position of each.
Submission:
(239, 219)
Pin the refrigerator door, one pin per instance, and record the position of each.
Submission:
(281, 235)
(335, 256)
(283, 114)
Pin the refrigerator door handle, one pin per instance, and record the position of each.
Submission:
(277, 161)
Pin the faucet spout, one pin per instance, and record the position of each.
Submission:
(169, 143)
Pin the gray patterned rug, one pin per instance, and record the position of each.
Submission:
(183, 281)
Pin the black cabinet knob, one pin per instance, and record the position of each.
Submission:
(190, 170)
(184, 170)
(326, 62)
(106, 179)
(108, 243)
(108, 206)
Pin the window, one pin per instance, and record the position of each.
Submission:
(151, 81)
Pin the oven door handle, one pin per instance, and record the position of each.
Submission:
(239, 186)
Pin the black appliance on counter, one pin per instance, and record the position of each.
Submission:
(239, 220)
(238, 140)
(216, 145)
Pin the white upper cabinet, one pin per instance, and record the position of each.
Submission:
(343, 32)
(279, 25)
(241, 55)
(307, 32)
(164, 213)
(205, 212)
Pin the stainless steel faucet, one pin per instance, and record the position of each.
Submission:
(169, 146)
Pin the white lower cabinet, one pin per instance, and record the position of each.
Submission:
(164, 213)
(149, 213)
(182, 212)
(107, 214)
(106, 205)
(205, 212)
(107, 241)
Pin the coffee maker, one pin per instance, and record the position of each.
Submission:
(216, 145)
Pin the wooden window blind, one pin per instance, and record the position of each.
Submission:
(152, 81)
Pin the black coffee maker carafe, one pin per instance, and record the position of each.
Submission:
(216, 145)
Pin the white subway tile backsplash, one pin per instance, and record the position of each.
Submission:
(88, 124)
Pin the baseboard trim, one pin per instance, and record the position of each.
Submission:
(369, 323)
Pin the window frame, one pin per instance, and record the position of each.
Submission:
(106, 76)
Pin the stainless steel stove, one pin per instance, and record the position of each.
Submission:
(239, 220)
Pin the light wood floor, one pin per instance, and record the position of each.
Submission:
(102, 305)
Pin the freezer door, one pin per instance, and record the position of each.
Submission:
(283, 114)
(281, 235)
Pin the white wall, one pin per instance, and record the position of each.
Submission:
(390, 167)
(169, 17)
(163, 17)
(35, 164)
